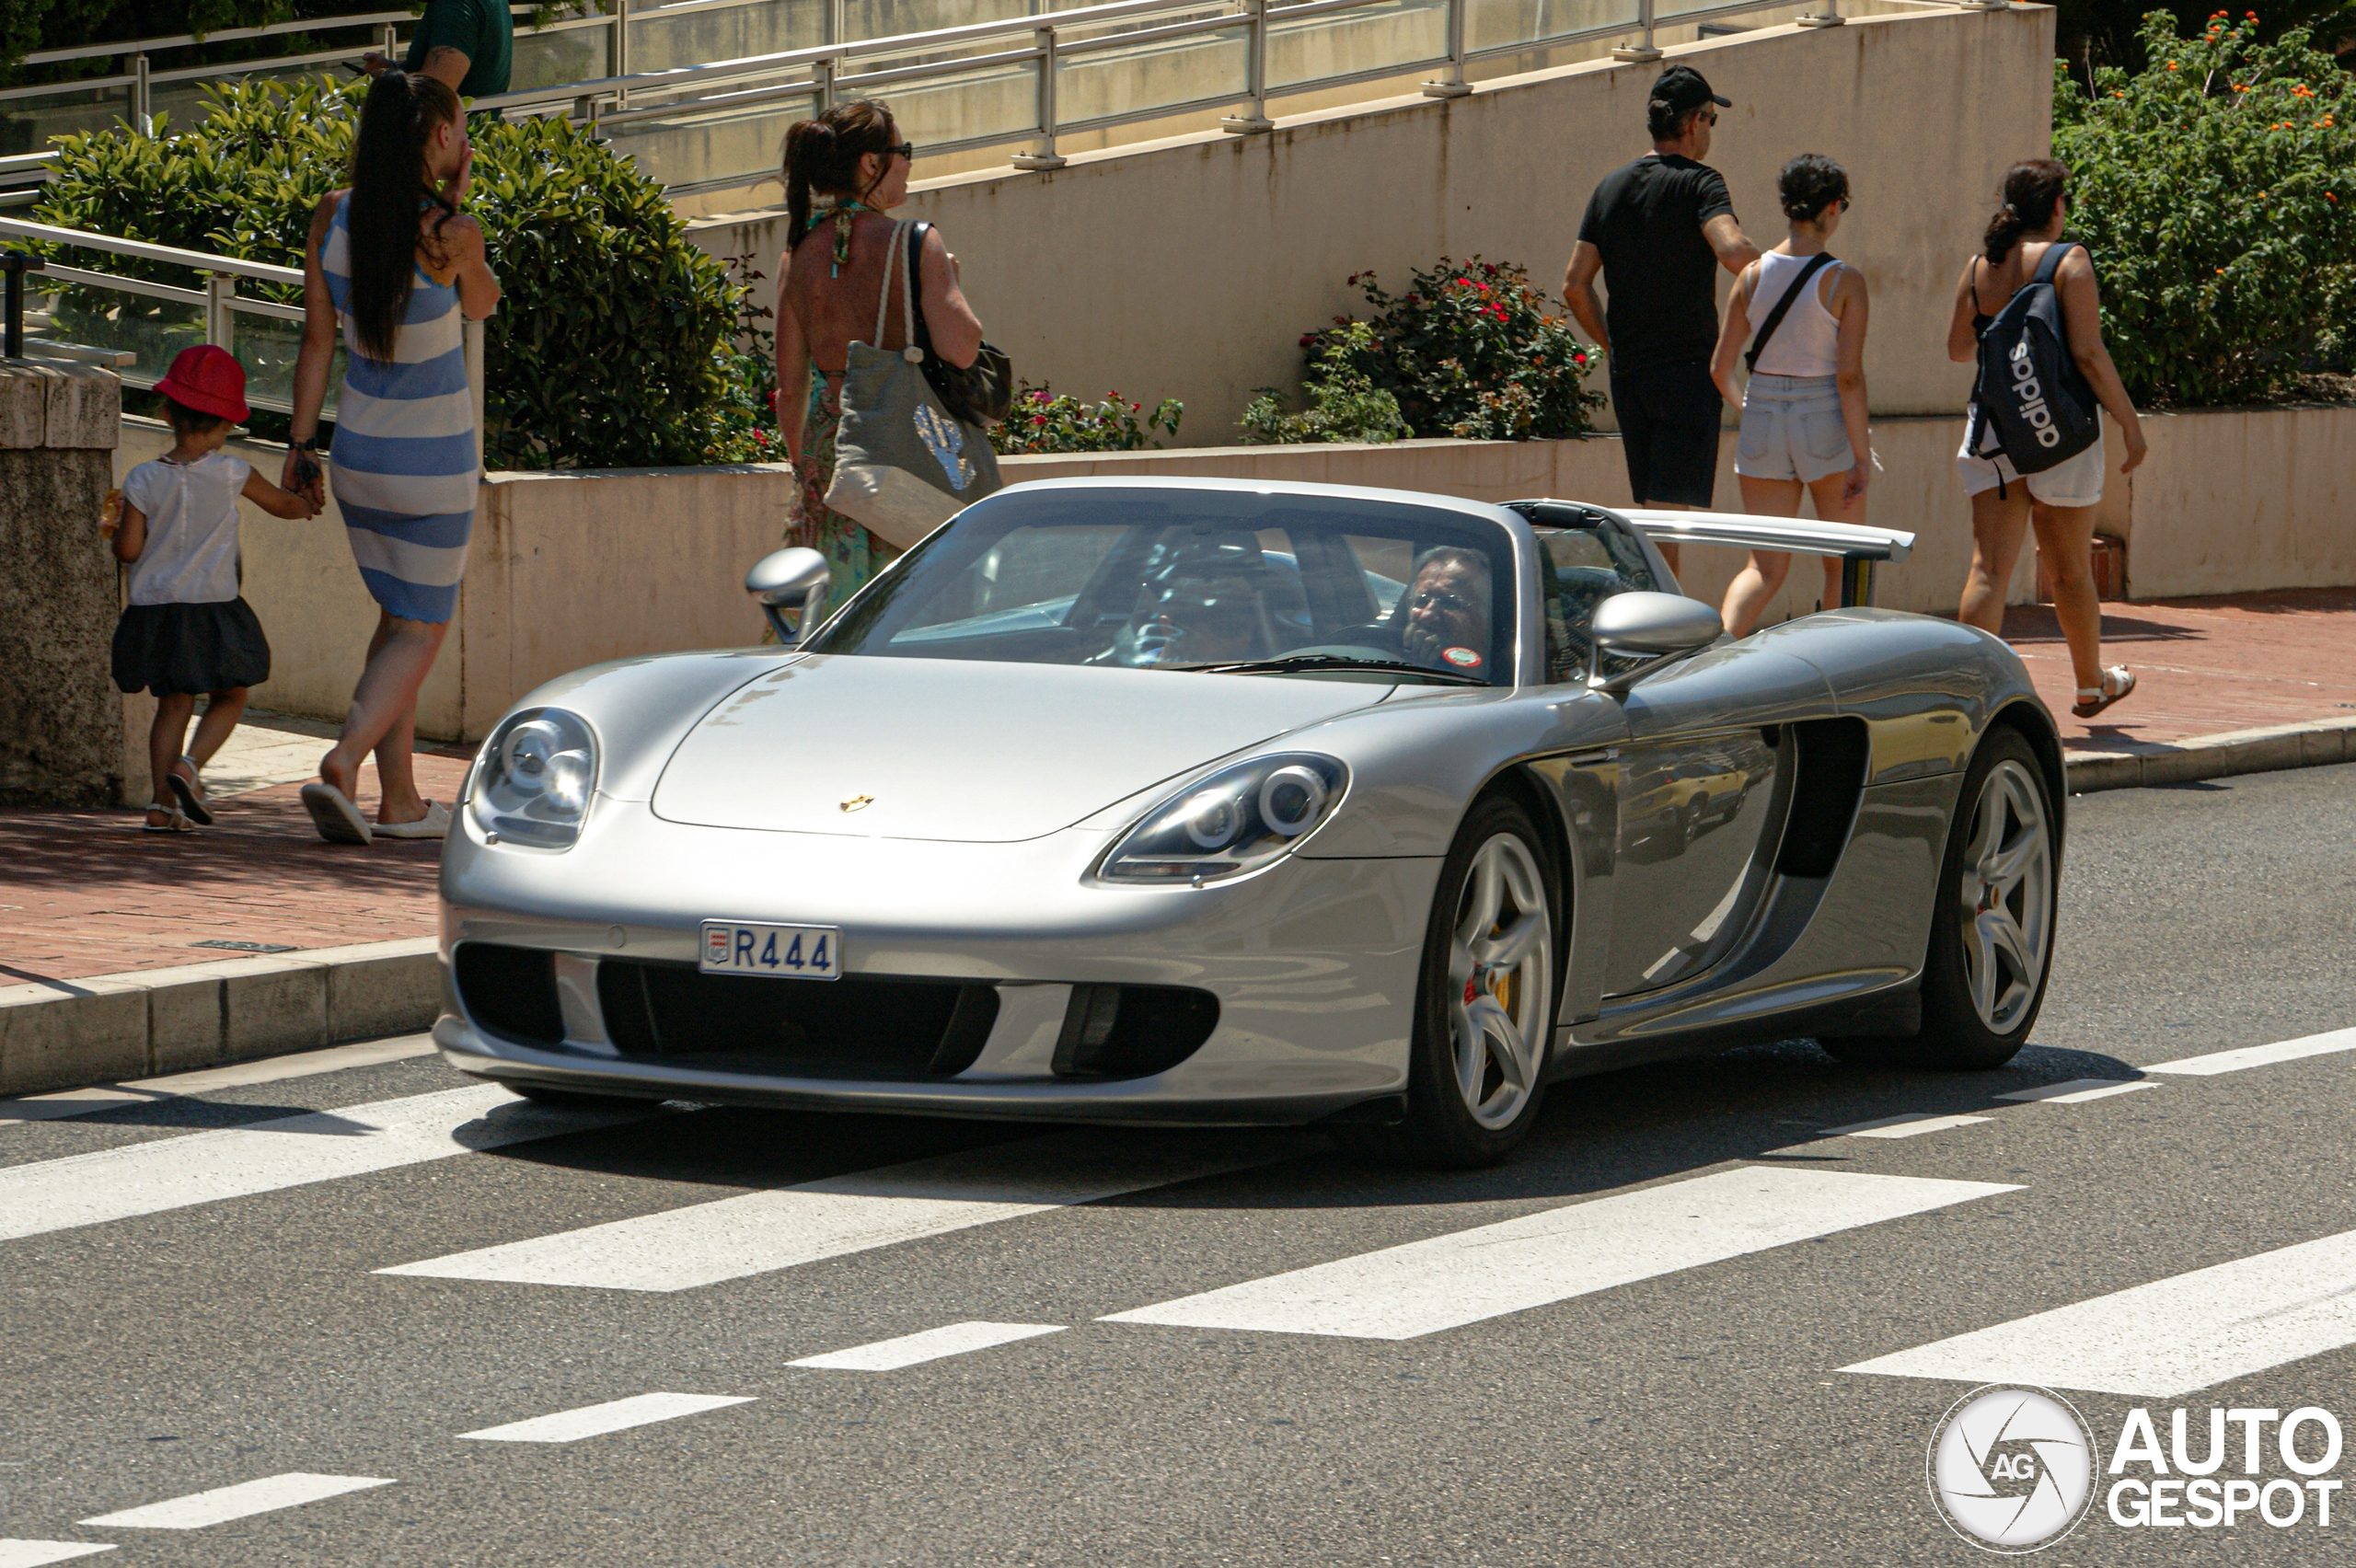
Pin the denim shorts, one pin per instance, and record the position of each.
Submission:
(1792, 430)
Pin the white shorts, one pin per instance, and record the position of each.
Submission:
(2077, 482)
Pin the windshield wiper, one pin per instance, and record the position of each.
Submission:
(1328, 662)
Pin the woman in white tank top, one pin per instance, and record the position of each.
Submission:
(1804, 409)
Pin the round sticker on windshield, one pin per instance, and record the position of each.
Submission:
(1462, 658)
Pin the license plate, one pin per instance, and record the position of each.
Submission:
(791, 952)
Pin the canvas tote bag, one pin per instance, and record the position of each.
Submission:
(904, 465)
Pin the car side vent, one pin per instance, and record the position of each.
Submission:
(1121, 1031)
(510, 991)
(1831, 778)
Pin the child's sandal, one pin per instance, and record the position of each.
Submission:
(2117, 683)
(191, 792)
(175, 820)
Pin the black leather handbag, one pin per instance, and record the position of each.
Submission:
(983, 392)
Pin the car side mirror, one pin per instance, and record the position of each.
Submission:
(1655, 628)
(789, 582)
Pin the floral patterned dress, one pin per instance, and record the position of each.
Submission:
(853, 553)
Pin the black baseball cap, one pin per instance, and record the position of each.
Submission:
(1682, 87)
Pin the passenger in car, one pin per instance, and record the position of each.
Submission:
(1447, 611)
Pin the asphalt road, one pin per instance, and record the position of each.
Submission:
(192, 1304)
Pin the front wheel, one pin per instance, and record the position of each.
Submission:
(1484, 1003)
(1992, 928)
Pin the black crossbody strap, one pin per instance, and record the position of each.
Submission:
(1816, 264)
(918, 333)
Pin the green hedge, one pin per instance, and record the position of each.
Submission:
(2217, 192)
(611, 348)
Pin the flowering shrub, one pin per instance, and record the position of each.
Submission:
(1344, 403)
(1043, 420)
(1472, 349)
(2217, 192)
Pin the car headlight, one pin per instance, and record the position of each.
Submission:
(1236, 819)
(533, 782)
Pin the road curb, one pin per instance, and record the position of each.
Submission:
(65, 1034)
(2313, 744)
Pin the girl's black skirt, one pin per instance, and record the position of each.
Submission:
(189, 650)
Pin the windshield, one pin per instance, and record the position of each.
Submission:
(1198, 579)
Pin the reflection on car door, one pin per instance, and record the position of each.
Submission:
(1696, 790)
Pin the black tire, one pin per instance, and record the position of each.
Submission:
(549, 1094)
(1441, 1127)
(1958, 1032)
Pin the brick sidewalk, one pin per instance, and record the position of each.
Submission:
(2203, 666)
(87, 892)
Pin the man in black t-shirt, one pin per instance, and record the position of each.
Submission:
(1657, 229)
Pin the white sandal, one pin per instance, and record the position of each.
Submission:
(175, 820)
(2117, 682)
(191, 791)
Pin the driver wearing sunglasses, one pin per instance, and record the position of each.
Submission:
(1447, 611)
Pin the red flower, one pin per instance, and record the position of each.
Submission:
(1038, 418)
(1307, 338)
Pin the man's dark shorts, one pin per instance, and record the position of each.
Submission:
(1668, 430)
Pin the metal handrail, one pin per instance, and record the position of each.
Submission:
(816, 73)
(219, 298)
(196, 260)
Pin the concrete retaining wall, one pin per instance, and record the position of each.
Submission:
(570, 569)
(1189, 268)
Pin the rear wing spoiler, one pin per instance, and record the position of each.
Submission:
(1858, 548)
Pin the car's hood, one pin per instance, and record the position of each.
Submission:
(978, 752)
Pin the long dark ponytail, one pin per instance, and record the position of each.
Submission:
(2031, 188)
(821, 156)
(391, 186)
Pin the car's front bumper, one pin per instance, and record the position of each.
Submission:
(1313, 962)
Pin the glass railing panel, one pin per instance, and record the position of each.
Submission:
(705, 146)
(267, 346)
(153, 330)
(735, 32)
(27, 123)
(1401, 33)
(1160, 73)
(552, 58)
(1502, 24)
(889, 18)
(997, 101)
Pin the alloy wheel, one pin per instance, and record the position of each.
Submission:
(1501, 975)
(2007, 891)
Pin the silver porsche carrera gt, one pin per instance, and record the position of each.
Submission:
(1169, 800)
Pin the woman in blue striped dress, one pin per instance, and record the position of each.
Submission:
(394, 267)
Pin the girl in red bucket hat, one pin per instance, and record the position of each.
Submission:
(187, 629)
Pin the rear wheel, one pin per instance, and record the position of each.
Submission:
(1992, 928)
(1485, 1005)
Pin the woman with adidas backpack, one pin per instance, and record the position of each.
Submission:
(2030, 313)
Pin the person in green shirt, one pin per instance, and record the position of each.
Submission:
(471, 44)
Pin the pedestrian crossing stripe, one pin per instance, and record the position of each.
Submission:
(2167, 1338)
(1467, 1276)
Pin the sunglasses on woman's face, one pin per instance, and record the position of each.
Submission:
(906, 149)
